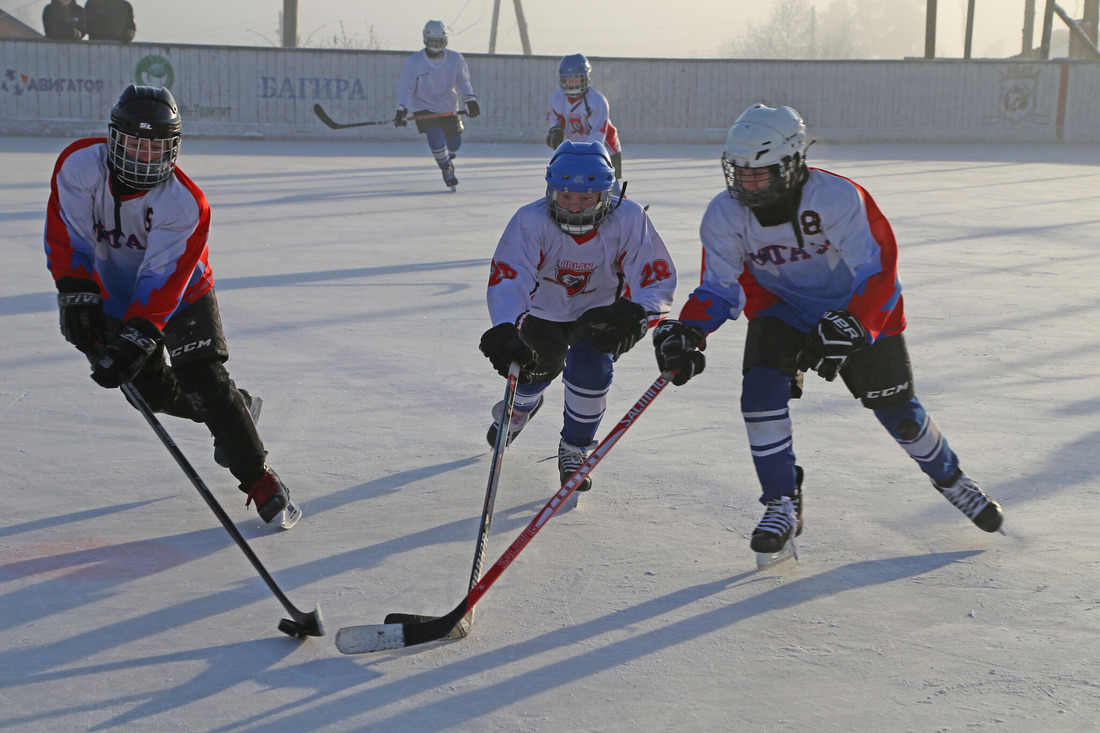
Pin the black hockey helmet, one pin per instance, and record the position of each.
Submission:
(144, 136)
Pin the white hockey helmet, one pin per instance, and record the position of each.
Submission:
(765, 154)
(435, 37)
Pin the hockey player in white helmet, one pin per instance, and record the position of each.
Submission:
(811, 261)
(577, 278)
(435, 84)
(126, 243)
(580, 113)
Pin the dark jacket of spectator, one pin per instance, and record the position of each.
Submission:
(109, 20)
(63, 20)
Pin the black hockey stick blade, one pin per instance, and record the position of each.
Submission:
(303, 624)
(398, 635)
(333, 124)
(323, 116)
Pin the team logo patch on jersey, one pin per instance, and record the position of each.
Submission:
(573, 277)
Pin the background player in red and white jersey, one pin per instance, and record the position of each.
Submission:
(812, 262)
(433, 82)
(577, 278)
(126, 243)
(579, 113)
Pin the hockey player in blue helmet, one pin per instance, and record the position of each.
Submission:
(580, 113)
(435, 83)
(831, 304)
(578, 277)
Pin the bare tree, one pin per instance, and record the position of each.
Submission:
(343, 41)
(786, 34)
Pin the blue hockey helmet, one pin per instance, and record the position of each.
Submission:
(579, 180)
(574, 74)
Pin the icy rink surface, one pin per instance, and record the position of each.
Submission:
(352, 284)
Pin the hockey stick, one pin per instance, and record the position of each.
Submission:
(466, 624)
(381, 637)
(304, 624)
(323, 116)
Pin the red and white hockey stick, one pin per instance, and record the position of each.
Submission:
(381, 637)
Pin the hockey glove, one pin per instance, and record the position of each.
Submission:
(677, 347)
(555, 137)
(614, 329)
(472, 108)
(127, 354)
(836, 336)
(502, 345)
(83, 323)
(399, 117)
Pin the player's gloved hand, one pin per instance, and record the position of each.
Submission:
(83, 323)
(137, 340)
(399, 116)
(502, 345)
(677, 347)
(614, 329)
(472, 108)
(828, 345)
(555, 137)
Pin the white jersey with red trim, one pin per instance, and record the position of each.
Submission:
(539, 269)
(584, 119)
(434, 84)
(147, 251)
(847, 258)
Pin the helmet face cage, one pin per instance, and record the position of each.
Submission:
(758, 186)
(142, 162)
(765, 155)
(574, 74)
(435, 37)
(579, 168)
(144, 137)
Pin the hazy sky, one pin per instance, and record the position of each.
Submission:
(650, 28)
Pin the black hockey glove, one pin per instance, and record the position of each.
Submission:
(472, 108)
(614, 329)
(502, 345)
(555, 137)
(399, 117)
(836, 336)
(126, 355)
(83, 323)
(677, 347)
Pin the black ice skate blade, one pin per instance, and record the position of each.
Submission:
(765, 560)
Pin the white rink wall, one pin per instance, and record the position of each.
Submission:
(49, 88)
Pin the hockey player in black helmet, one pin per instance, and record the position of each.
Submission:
(126, 243)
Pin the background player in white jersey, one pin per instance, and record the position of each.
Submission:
(812, 262)
(580, 113)
(577, 278)
(126, 243)
(432, 81)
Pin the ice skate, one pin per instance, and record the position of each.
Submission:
(773, 538)
(965, 495)
(449, 177)
(254, 404)
(570, 458)
(519, 421)
(272, 497)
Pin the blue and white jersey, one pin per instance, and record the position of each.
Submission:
(539, 269)
(847, 259)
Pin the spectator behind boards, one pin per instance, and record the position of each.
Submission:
(63, 20)
(109, 20)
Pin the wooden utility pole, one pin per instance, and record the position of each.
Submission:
(290, 23)
(521, 22)
(930, 30)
